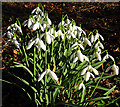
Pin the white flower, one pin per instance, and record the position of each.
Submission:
(108, 56)
(10, 34)
(80, 55)
(51, 73)
(97, 36)
(81, 86)
(92, 38)
(38, 42)
(37, 10)
(18, 28)
(61, 23)
(98, 56)
(99, 44)
(15, 42)
(89, 68)
(87, 76)
(114, 67)
(87, 41)
(30, 22)
(74, 46)
(49, 21)
(36, 26)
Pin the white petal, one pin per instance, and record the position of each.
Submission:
(106, 57)
(84, 71)
(115, 68)
(81, 85)
(42, 75)
(92, 75)
(75, 44)
(86, 58)
(9, 34)
(92, 38)
(111, 57)
(75, 60)
(98, 56)
(87, 76)
(96, 36)
(72, 55)
(95, 71)
(53, 75)
(87, 41)
(16, 43)
(81, 46)
(29, 23)
(101, 45)
(101, 37)
(49, 21)
(18, 27)
(48, 39)
(36, 26)
(42, 28)
(108, 68)
(25, 23)
(30, 43)
(42, 45)
(80, 56)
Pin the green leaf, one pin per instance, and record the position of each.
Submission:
(101, 88)
(24, 81)
(109, 91)
(82, 65)
(98, 63)
(22, 66)
(98, 98)
(47, 99)
(65, 53)
(57, 86)
(12, 83)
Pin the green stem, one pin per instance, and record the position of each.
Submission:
(96, 85)
(35, 72)
(25, 56)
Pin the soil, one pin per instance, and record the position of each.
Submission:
(103, 16)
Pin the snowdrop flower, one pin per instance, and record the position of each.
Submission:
(87, 76)
(114, 67)
(107, 56)
(10, 34)
(97, 36)
(81, 30)
(81, 86)
(15, 42)
(37, 10)
(14, 27)
(18, 28)
(49, 37)
(37, 25)
(89, 68)
(99, 44)
(49, 21)
(38, 42)
(74, 46)
(80, 56)
(87, 41)
(51, 73)
(92, 38)
(59, 32)
(61, 23)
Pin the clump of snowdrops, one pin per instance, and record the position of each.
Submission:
(62, 62)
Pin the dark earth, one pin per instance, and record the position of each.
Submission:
(103, 16)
